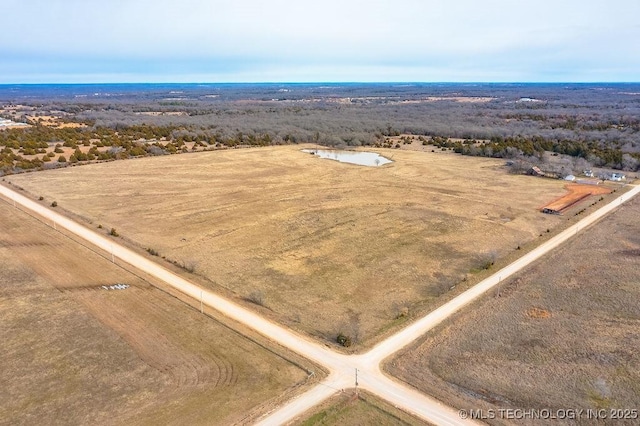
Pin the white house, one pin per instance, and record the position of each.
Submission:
(617, 177)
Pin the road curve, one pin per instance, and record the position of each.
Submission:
(342, 367)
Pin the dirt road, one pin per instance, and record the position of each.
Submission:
(342, 367)
(418, 328)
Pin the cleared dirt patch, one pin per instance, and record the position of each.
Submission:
(328, 247)
(538, 313)
(562, 335)
(576, 194)
(75, 353)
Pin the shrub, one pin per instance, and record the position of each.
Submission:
(487, 260)
(189, 266)
(256, 297)
(54, 204)
(113, 232)
(402, 312)
(343, 340)
(62, 159)
(152, 252)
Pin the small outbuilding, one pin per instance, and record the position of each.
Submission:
(617, 177)
(535, 171)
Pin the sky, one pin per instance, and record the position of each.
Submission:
(115, 41)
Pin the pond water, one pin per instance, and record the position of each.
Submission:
(361, 158)
(4, 123)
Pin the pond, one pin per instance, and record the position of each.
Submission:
(4, 123)
(361, 158)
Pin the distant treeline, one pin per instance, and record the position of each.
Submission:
(141, 140)
(599, 123)
(593, 152)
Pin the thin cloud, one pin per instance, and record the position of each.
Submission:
(402, 40)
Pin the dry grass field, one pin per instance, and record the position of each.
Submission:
(75, 353)
(562, 334)
(349, 410)
(323, 246)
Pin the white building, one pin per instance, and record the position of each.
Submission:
(617, 177)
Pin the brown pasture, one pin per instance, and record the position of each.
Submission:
(562, 334)
(321, 246)
(75, 353)
(350, 409)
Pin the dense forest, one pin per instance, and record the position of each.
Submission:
(599, 123)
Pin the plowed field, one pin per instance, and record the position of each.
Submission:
(75, 353)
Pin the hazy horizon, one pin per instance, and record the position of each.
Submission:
(401, 41)
(330, 83)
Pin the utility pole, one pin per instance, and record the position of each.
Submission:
(356, 381)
